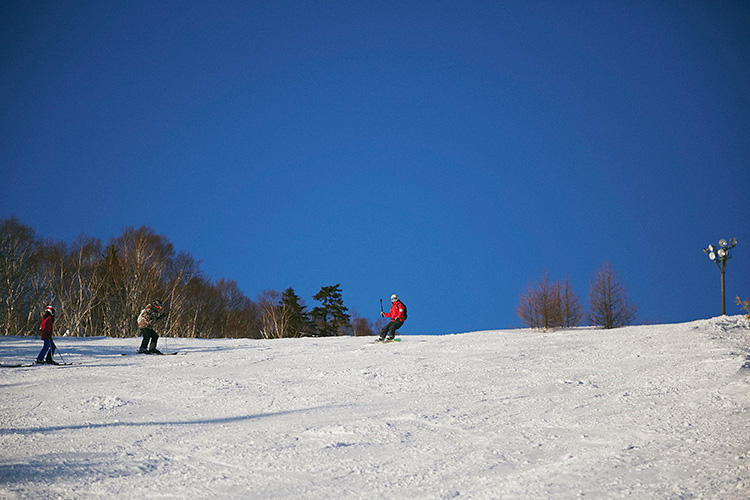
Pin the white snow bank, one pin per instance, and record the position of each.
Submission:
(645, 411)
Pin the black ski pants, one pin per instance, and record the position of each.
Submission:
(390, 329)
(149, 337)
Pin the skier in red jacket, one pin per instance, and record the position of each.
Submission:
(49, 345)
(397, 315)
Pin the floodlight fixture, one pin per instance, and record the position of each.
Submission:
(720, 258)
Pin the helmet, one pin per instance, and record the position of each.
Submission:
(156, 304)
(394, 297)
(50, 310)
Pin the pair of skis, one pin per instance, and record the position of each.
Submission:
(149, 353)
(29, 365)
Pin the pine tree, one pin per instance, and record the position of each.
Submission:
(299, 319)
(331, 318)
(111, 274)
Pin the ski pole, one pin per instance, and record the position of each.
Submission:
(381, 306)
(57, 351)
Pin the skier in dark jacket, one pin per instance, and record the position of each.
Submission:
(48, 320)
(397, 315)
(150, 314)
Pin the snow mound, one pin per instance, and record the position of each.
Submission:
(734, 330)
(105, 403)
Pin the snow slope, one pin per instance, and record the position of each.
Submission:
(645, 411)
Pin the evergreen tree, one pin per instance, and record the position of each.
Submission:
(330, 318)
(299, 319)
(111, 274)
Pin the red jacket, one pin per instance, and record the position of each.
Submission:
(46, 327)
(397, 312)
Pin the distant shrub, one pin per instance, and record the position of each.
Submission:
(744, 304)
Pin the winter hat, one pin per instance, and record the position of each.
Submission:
(394, 297)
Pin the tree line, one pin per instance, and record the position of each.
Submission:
(99, 290)
(548, 305)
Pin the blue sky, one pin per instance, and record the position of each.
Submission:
(448, 151)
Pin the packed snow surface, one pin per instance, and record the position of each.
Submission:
(645, 412)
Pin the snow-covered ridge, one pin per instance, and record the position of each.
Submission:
(645, 411)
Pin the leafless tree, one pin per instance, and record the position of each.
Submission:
(42, 276)
(179, 272)
(570, 307)
(70, 274)
(234, 305)
(144, 256)
(204, 304)
(275, 316)
(101, 291)
(361, 326)
(609, 303)
(549, 305)
(537, 308)
(18, 246)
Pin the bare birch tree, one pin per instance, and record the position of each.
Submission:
(17, 262)
(275, 316)
(144, 257)
(178, 274)
(101, 291)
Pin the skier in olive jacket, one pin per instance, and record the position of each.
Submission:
(397, 315)
(48, 320)
(150, 314)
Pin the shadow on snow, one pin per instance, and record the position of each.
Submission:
(225, 420)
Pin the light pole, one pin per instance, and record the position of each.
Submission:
(720, 255)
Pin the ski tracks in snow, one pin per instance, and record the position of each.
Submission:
(646, 411)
